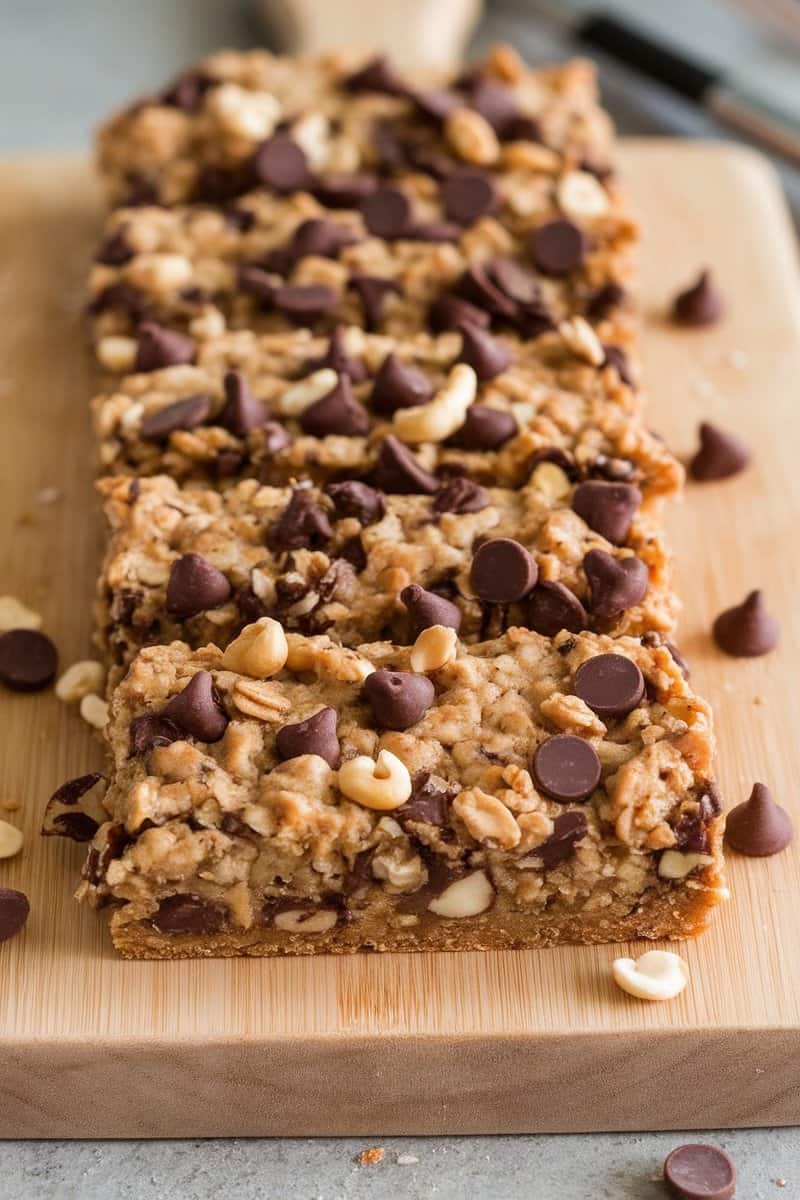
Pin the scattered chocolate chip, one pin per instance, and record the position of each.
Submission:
(378, 75)
(477, 285)
(14, 910)
(255, 281)
(116, 250)
(700, 1172)
(552, 607)
(437, 104)
(495, 103)
(746, 630)
(241, 413)
(451, 312)
(315, 735)
(150, 731)
(337, 358)
(301, 525)
(604, 301)
(372, 292)
(188, 90)
(486, 355)
(607, 508)
(568, 829)
(701, 304)
(359, 500)
(611, 684)
(502, 571)
(28, 660)
(485, 428)
(337, 412)
(387, 213)
(436, 231)
(187, 913)
(220, 185)
(227, 464)
(398, 472)
(558, 247)
(304, 303)
(720, 455)
(195, 585)
(468, 194)
(427, 608)
(399, 385)
(180, 415)
(344, 191)
(759, 826)
(460, 495)
(618, 359)
(398, 699)
(159, 347)
(280, 163)
(196, 709)
(428, 801)
(614, 584)
(566, 768)
(321, 237)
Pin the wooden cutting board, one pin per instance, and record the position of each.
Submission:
(91, 1046)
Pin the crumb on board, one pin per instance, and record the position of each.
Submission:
(371, 1158)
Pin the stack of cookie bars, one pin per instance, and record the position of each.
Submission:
(386, 600)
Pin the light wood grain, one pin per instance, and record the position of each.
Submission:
(93, 1046)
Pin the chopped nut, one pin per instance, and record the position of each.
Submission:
(657, 975)
(370, 1158)
(466, 897)
(10, 840)
(580, 195)
(444, 414)
(675, 865)
(300, 396)
(160, 272)
(471, 136)
(312, 134)
(552, 480)
(94, 710)
(530, 156)
(503, 61)
(383, 784)
(241, 113)
(260, 650)
(300, 920)
(78, 680)
(322, 655)
(571, 714)
(260, 700)
(116, 353)
(579, 337)
(487, 818)
(208, 324)
(16, 615)
(434, 648)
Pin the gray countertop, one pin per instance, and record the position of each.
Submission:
(62, 67)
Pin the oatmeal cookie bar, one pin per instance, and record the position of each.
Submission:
(285, 406)
(196, 565)
(238, 119)
(295, 797)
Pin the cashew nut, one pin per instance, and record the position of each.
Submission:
(116, 353)
(80, 679)
(94, 710)
(300, 920)
(260, 650)
(657, 975)
(383, 784)
(10, 840)
(16, 615)
(472, 137)
(580, 195)
(579, 338)
(444, 414)
(434, 648)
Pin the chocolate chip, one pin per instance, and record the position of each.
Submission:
(502, 571)
(436, 231)
(604, 301)
(337, 412)
(615, 470)
(460, 495)
(552, 607)
(398, 699)
(427, 608)
(321, 237)
(523, 129)
(495, 103)
(337, 358)
(468, 194)
(451, 312)
(150, 731)
(196, 709)
(477, 285)
(315, 735)
(611, 684)
(116, 250)
(195, 585)
(516, 281)
(255, 281)
(486, 355)
(720, 455)
(122, 296)
(304, 303)
(302, 525)
(437, 104)
(746, 630)
(558, 247)
(182, 414)
(372, 292)
(187, 913)
(568, 829)
(219, 185)
(159, 347)
(378, 75)
(618, 359)
(701, 304)
(485, 428)
(387, 213)
(399, 385)
(566, 768)
(14, 910)
(397, 471)
(389, 149)
(344, 191)
(359, 500)
(700, 1172)
(428, 802)
(614, 584)
(759, 826)
(607, 508)
(241, 413)
(280, 163)
(28, 660)
(187, 92)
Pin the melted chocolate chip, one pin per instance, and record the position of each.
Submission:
(428, 803)
(460, 495)
(150, 731)
(187, 913)
(568, 829)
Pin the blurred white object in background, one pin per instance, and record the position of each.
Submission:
(418, 33)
